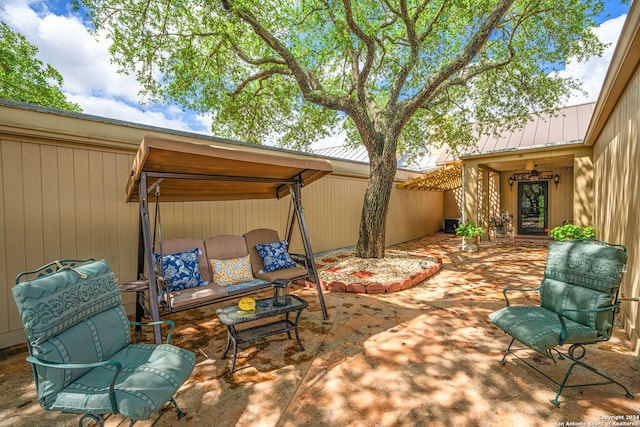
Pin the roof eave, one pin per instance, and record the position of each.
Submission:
(529, 149)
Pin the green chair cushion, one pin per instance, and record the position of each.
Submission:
(586, 264)
(50, 304)
(150, 376)
(540, 328)
(95, 339)
(71, 319)
(558, 296)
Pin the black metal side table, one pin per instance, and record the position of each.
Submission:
(232, 316)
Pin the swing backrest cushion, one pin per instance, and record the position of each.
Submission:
(228, 247)
(182, 245)
(257, 237)
(288, 269)
(228, 259)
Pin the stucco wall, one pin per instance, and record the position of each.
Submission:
(62, 181)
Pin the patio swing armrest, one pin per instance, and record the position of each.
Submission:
(561, 316)
(171, 324)
(118, 367)
(164, 290)
(301, 259)
(505, 290)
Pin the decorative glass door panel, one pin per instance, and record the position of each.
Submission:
(532, 207)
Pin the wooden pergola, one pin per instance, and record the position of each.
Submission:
(449, 177)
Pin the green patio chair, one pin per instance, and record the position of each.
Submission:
(80, 347)
(578, 302)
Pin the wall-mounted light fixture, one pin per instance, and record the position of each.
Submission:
(511, 183)
(556, 179)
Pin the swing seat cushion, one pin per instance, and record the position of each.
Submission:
(223, 250)
(221, 264)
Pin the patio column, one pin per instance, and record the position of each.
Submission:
(485, 204)
(583, 191)
(470, 191)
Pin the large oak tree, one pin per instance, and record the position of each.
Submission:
(396, 75)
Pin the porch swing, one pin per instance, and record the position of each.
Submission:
(188, 171)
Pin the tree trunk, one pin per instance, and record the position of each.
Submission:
(371, 242)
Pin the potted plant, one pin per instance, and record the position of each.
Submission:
(471, 234)
(570, 231)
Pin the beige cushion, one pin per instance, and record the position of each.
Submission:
(192, 296)
(265, 235)
(259, 236)
(181, 244)
(285, 273)
(226, 246)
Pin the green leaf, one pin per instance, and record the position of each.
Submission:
(24, 78)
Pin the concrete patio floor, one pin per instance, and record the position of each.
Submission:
(424, 356)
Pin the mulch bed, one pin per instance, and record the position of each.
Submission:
(342, 271)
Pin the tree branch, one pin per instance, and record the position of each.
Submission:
(414, 43)
(263, 75)
(370, 43)
(461, 61)
(310, 87)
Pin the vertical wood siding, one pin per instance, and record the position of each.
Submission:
(59, 202)
(66, 200)
(616, 193)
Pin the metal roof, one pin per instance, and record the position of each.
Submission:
(567, 125)
(359, 154)
(564, 127)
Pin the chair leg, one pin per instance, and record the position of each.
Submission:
(164, 409)
(507, 351)
(575, 353)
(178, 410)
(577, 362)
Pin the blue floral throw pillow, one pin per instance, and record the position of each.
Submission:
(275, 256)
(181, 270)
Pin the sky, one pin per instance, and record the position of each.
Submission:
(91, 81)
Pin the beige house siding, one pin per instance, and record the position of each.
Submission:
(613, 133)
(616, 185)
(62, 182)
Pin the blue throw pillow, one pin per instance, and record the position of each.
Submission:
(275, 256)
(181, 270)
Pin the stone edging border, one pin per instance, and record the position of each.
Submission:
(377, 287)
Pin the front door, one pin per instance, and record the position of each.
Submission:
(532, 207)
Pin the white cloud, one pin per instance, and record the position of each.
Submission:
(114, 109)
(90, 79)
(93, 82)
(592, 72)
